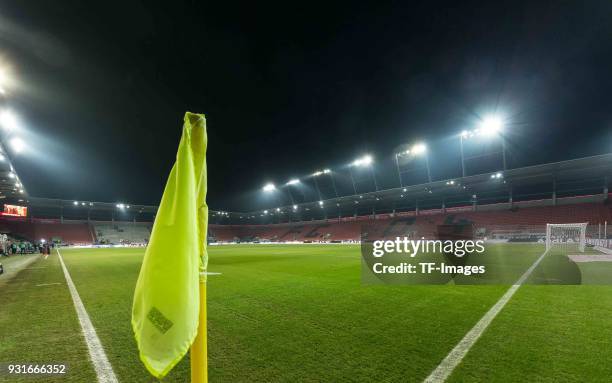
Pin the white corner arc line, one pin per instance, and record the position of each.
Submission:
(452, 360)
(102, 366)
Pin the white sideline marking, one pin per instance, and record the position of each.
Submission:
(48, 284)
(211, 273)
(103, 368)
(452, 360)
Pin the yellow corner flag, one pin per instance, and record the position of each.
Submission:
(168, 304)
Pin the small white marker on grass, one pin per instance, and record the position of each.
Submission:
(48, 284)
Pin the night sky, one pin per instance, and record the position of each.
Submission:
(101, 90)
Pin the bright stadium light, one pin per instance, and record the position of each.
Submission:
(491, 125)
(278, 209)
(269, 187)
(326, 171)
(293, 181)
(17, 144)
(295, 207)
(75, 203)
(320, 203)
(265, 212)
(120, 206)
(419, 148)
(363, 161)
(317, 173)
(8, 120)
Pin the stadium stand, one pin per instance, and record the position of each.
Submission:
(518, 222)
(122, 233)
(76, 233)
(521, 221)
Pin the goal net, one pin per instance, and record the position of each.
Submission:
(568, 236)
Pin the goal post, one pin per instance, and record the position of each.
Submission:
(567, 235)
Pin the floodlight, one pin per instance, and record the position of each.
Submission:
(269, 187)
(82, 203)
(419, 148)
(317, 173)
(21, 191)
(75, 203)
(2, 158)
(320, 203)
(293, 181)
(295, 207)
(265, 212)
(17, 144)
(326, 171)
(278, 209)
(404, 190)
(120, 206)
(128, 206)
(363, 161)
(465, 134)
(8, 120)
(491, 125)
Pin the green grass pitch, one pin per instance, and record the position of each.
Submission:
(299, 313)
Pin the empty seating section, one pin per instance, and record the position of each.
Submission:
(530, 220)
(118, 233)
(34, 231)
(501, 224)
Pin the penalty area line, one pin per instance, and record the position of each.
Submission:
(102, 366)
(452, 360)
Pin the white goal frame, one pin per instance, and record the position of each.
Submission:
(551, 230)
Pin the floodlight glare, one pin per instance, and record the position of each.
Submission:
(8, 120)
(17, 144)
(317, 173)
(265, 212)
(269, 187)
(278, 209)
(293, 181)
(465, 134)
(120, 206)
(419, 148)
(295, 207)
(363, 161)
(491, 125)
(75, 203)
(326, 171)
(320, 203)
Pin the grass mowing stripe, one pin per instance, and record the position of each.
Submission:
(446, 367)
(103, 368)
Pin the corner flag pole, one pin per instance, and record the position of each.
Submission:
(199, 350)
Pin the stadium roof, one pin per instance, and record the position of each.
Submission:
(581, 176)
